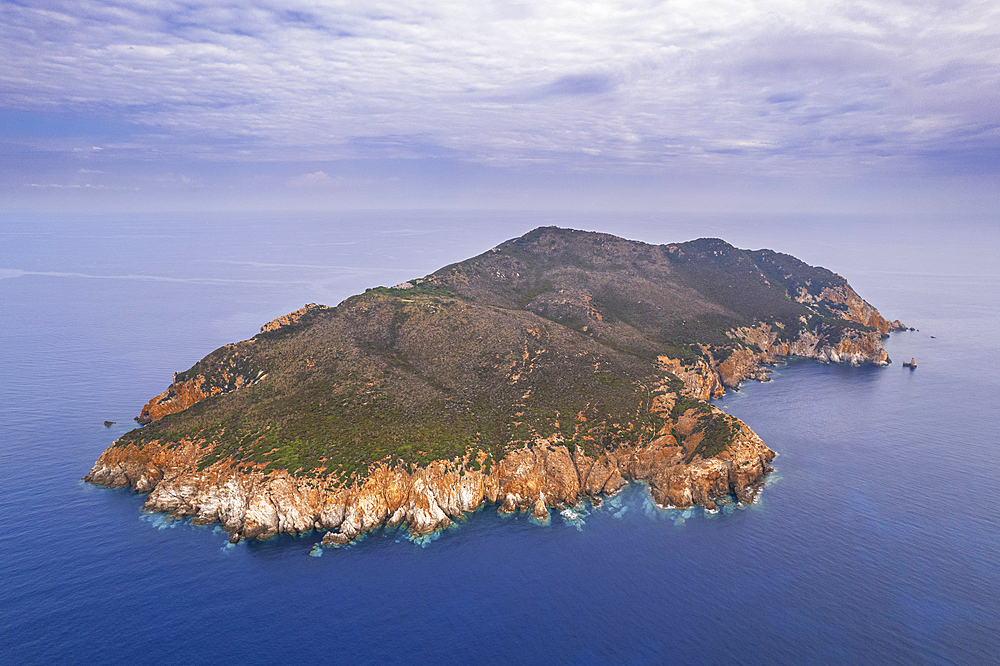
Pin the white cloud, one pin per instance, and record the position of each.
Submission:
(776, 86)
(317, 179)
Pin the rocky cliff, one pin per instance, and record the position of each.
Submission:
(550, 369)
(763, 347)
(253, 503)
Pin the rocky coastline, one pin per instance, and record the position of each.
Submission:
(424, 499)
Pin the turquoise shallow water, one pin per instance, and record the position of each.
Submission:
(875, 541)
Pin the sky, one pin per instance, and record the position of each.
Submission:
(688, 105)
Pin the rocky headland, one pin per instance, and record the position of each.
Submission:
(549, 370)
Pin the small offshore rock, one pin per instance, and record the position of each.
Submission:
(234, 539)
(334, 539)
(108, 424)
(540, 511)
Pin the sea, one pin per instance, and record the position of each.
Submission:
(875, 541)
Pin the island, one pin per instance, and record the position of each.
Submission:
(547, 371)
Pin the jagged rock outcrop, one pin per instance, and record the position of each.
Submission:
(700, 381)
(178, 397)
(743, 364)
(852, 346)
(207, 378)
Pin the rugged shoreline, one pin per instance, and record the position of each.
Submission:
(429, 498)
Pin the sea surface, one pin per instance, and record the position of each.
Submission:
(876, 540)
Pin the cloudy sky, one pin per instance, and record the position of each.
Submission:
(779, 105)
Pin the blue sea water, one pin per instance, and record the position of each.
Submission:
(876, 540)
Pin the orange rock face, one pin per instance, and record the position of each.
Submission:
(700, 381)
(182, 394)
(179, 396)
(253, 504)
(742, 364)
(291, 317)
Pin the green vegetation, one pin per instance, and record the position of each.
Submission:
(717, 432)
(422, 289)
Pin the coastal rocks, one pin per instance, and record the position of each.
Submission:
(742, 364)
(699, 379)
(228, 374)
(541, 470)
(853, 346)
(334, 539)
(249, 503)
(540, 512)
(762, 345)
(142, 467)
(739, 471)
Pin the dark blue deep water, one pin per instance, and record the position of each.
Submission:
(876, 541)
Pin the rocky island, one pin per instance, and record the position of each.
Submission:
(548, 370)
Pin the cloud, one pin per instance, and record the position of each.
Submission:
(771, 86)
(317, 179)
(580, 84)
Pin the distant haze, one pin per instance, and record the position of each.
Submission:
(708, 105)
